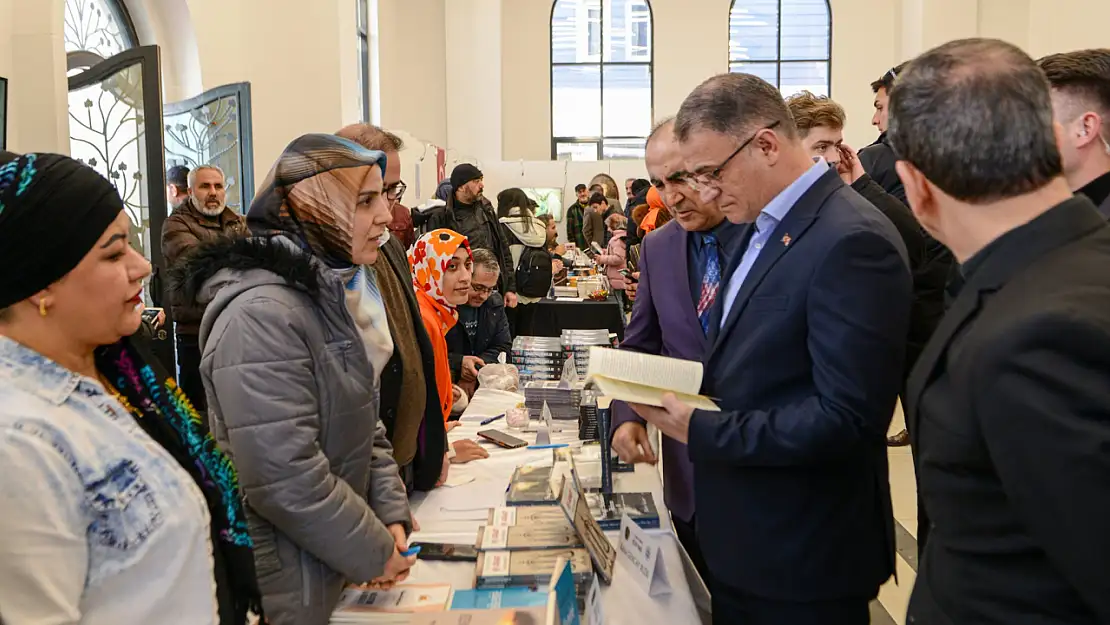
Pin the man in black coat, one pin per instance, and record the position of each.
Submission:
(470, 214)
(1009, 405)
(482, 332)
(1081, 102)
(878, 159)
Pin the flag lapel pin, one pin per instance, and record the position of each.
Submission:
(786, 239)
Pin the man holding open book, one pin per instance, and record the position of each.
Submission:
(680, 275)
(805, 359)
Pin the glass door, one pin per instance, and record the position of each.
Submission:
(115, 121)
(214, 128)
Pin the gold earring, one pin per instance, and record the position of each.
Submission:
(42, 306)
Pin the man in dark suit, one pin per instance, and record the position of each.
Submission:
(806, 357)
(680, 276)
(1009, 404)
(1081, 103)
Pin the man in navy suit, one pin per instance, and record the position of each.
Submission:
(679, 263)
(806, 357)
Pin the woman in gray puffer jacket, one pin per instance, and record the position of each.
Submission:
(291, 392)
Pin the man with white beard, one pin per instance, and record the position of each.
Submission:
(202, 216)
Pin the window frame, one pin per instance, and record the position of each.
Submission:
(601, 64)
(362, 31)
(778, 61)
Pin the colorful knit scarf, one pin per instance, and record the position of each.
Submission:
(160, 407)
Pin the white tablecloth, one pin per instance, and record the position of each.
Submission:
(453, 514)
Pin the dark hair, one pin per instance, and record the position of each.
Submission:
(639, 186)
(598, 198)
(975, 117)
(178, 176)
(512, 198)
(1084, 74)
(734, 104)
(579, 188)
(886, 81)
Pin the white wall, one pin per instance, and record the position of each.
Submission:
(32, 58)
(413, 63)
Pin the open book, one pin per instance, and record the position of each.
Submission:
(644, 378)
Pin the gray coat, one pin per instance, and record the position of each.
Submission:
(291, 400)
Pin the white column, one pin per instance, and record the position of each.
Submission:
(32, 58)
(474, 80)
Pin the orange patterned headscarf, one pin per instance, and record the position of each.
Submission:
(429, 258)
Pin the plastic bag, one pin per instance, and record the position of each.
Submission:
(501, 376)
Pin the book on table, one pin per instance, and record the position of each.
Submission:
(554, 535)
(645, 378)
(397, 605)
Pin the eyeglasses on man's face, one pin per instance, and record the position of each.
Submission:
(704, 180)
(396, 191)
(482, 289)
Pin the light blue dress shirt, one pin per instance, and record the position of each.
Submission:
(773, 214)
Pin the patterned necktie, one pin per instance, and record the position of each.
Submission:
(711, 279)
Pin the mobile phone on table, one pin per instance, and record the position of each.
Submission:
(502, 439)
(446, 553)
(628, 275)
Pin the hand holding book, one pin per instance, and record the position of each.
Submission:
(673, 419)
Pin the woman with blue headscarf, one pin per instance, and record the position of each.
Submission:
(291, 389)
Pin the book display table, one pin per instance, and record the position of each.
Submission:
(453, 513)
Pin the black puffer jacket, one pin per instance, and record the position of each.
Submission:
(491, 338)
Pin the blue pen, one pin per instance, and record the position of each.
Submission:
(553, 446)
(492, 419)
(411, 552)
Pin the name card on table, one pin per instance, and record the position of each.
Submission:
(640, 554)
(595, 615)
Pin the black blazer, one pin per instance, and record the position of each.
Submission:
(791, 480)
(1010, 406)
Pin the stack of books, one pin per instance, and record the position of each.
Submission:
(531, 567)
(577, 343)
(538, 358)
(563, 399)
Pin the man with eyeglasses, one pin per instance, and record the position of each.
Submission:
(482, 332)
(1081, 105)
(408, 396)
(806, 352)
(878, 159)
(679, 280)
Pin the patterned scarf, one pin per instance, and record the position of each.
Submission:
(429, 259)
(162, 410)
(311, 193)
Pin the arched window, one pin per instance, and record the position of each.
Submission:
(96, 29)
(601, 79)
(788, 43)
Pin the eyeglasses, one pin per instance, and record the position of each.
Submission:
(482, 289)
(697, 182)
(396, 191)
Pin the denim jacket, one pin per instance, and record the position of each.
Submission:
(98, 524)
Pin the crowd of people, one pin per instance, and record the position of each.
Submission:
(327, 338)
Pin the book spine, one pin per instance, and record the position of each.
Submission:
(604, 420)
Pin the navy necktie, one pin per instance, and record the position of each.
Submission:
(711, 279)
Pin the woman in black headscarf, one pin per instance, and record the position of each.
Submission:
(117, 506)
(291, 391)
